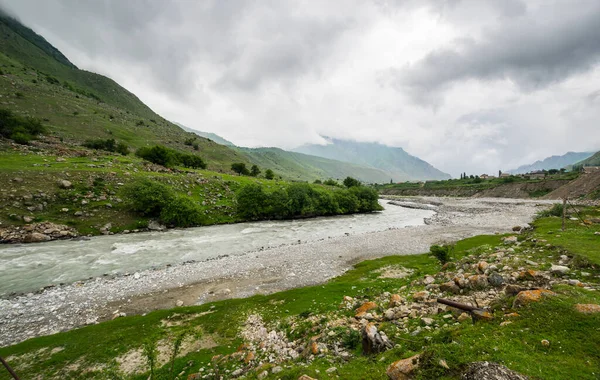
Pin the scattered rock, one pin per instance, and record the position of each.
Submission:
(179, 303)
(450, 287)
(528, 296)
(559, 269)
(496, 280)
(589, 308)
(306, 377)
(27, 219)
(487, 370)
(36, 237)
(510, 240)
(463, 317)
(395, 300)
(331, 370)
(64, 184)
(428, 280)
(374, 341)
(545, 342)
(153, 225)
(362, 310)
(403, 369)
(421, 296)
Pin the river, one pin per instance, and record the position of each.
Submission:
(28, 267)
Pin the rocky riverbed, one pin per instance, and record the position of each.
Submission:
(66, 307)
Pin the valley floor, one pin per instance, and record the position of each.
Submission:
(66, 307)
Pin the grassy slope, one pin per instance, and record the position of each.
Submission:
(591, 161)
(298, 166)
(573, 353)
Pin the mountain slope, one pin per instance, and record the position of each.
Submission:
(594, 160)
(207, 135)
(399, 165)
(553, 162)
(299, 166)
(76, 105)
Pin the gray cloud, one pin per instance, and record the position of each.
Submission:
(510, 81)
(533, 50)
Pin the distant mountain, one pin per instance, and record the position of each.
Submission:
(207, 135)
(553, 162)
(399, 165)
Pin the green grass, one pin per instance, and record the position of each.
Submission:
(573, 351)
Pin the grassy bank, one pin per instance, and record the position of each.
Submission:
(216, 339)
(31, 191)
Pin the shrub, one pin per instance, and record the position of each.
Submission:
(110, 145)
(330, 182)
(181, 212)
(351, 182)
(21, 138)
(254, 171)
(158, 155)
(556, 210)
(191, 161)
(169, 158)
(441, 252)
(240, 168)
(368, 199)
(148, 197)
(252, 202)
(269, 174)
(20, 129)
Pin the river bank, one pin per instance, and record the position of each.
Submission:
(66, 307)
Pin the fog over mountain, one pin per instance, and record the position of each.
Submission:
(471, 86)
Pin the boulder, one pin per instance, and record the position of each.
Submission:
(374, 341)
(36, 237)
(496, 280)
(450, 287)
(559, 269)
(64, 184)
(528, 296)
(395, 300)
(306, 377)
(421, 296)
(478, 281)
(153, 225)
(488, 370)
(589, 308)
(403, 369)
(362, 310)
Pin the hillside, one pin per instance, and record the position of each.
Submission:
(553, 162)
(590, 161)
(399, 165)
(207, 135)
(298, 166)
(76, 105)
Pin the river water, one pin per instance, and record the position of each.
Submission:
(28, 267)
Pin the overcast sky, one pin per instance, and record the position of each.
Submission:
(471, 86)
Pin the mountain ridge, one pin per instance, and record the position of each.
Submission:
(553, 162)
(400, 165)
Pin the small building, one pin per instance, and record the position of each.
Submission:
(505, 175)
(539, 174)
(484, 176)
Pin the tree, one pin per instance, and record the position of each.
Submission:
(269, 174)
(499, 173)
(330, 182)
(254, 171)
(317, 182)
(240, 168)
(350, 182)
